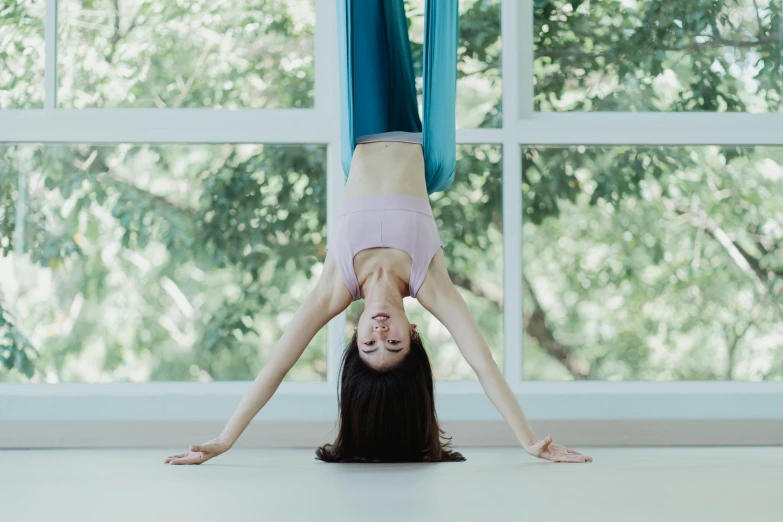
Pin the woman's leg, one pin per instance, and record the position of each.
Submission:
(377, 84)
(441, 31)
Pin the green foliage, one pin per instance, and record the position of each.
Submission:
(213, 257)
(169, 262)
(21, 54)
(142, 53)
(653, 262)
(479, 84)
(16, 352)
(654, 55)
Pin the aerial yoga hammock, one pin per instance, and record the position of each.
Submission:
(378, 87)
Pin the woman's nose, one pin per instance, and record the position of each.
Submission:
(381, 327)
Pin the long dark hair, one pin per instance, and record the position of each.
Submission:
(387, 416)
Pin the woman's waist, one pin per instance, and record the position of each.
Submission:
(387, 156)
(385, 202)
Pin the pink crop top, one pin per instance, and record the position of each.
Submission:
(386, 221)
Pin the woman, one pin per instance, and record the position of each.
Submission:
(385, 246)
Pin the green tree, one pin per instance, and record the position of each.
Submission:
(178, 262)
(170, 262)
(654, 262)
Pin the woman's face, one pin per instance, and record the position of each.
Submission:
(383, 336)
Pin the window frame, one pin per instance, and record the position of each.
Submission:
(320, 125)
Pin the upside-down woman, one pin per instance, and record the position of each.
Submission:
(385, 246)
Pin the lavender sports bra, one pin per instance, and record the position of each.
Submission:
(385, 221)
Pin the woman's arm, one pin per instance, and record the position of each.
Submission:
(441, 298)
(328, 299)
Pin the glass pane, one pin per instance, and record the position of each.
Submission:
(479, 83)
(160, 262)
(658, 55)
(653, 263)
(186, 53)
(22, 54)
(470, 222)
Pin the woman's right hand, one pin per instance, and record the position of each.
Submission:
(198, 454)
(548, 450)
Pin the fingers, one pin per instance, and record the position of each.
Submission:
(191, 458)
(564, 457)
(569, 457)
(559, 453)
(573, 452)
(196, 454)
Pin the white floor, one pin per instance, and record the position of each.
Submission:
(622, 484)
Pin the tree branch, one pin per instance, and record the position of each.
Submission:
(489, 67)
(118, 35)
(732, 348)
(534, 323)
(748, 265)
(98, 166)
(536, 326)
(493, 295)
(758, 19)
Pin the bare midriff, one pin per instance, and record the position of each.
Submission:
(386, 167)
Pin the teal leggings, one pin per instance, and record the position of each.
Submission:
(377, 83)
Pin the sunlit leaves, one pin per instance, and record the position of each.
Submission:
(654, 55)
(142, 53)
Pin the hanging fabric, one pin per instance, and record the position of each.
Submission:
(378, 85)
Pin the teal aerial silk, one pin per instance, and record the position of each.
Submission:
(377, 82)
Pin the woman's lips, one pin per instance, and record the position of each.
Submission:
(376, 316)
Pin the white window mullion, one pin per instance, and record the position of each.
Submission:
(50, 56)
(164, 126)
(512, 195)
(325, 39)
(651, 128)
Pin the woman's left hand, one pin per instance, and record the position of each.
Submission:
(547, 450)
(199, 454)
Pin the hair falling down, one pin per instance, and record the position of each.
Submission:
(388, 416)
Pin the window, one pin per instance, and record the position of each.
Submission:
(650, 55)
(169, 170)
(653, 263)
(22, 54)
(120, 266)
(186, 53)
(160, 262)
(479, 84)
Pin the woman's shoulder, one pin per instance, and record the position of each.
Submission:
(331, 286)
(437, 283)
